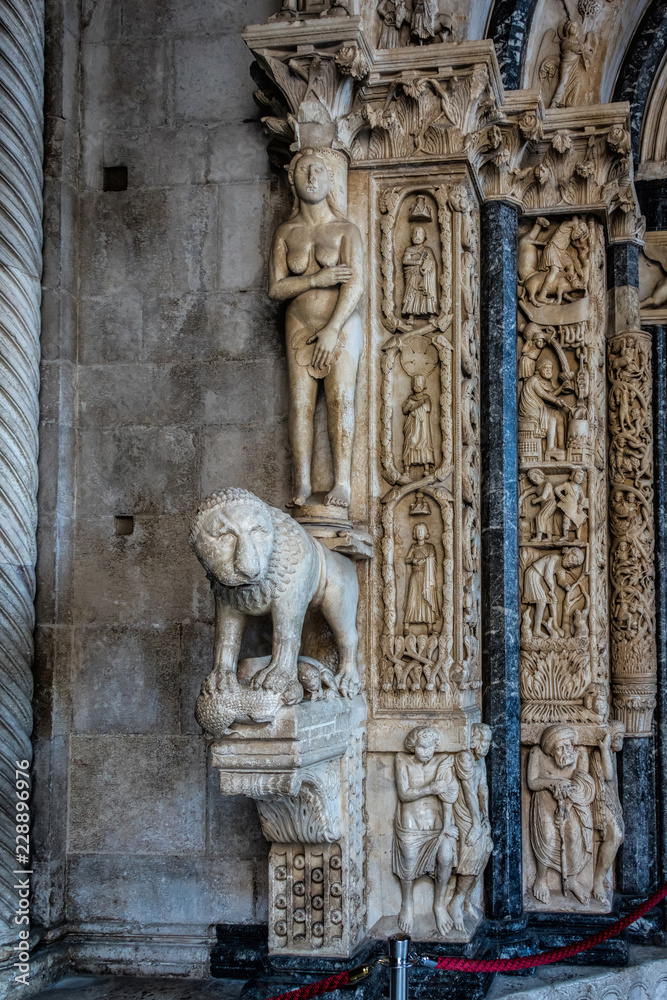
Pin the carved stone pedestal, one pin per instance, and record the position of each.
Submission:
(304, 770)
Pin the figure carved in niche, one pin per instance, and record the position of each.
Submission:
(535, 339)
(419, 269)
(260, 561)
(394, 15)
(607, 812)
(561, 824)
(422, 605)
(417, 439)
(540, 410)
(539, 587)
(317, 265)
(471, 813)
(576, 52)
(425, 834)
(573, 502)
(542, 493)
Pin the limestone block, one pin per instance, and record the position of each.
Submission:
(111, 327)
(241, 260)
(133, 240)
(121, 802)
(119, 91)
(137, 470)
(158, 157)
(229, 455)
(58, 312)
(131, 394)
(237, 153)
(241, 393)
(210, 79)
(125, 680)
(110, 571)
(207, 326)
(170, 889)
(170, 17)
(233, 826)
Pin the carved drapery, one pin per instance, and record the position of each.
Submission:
(21, 81)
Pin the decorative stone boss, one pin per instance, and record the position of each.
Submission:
(260, 561)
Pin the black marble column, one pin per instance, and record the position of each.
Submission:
(635, 862)
(660, 481)
(500, 582)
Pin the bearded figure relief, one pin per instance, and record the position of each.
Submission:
(260, 561)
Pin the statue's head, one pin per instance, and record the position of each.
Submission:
(558, 742)
(480, 739)
(422, 741)
(536, 477)
(572, 558)
(546, 369)
(233, 536)
(420, 532)
(310, 176)
(578, 476)
(418, 235)
(617, 733)
(418, 383)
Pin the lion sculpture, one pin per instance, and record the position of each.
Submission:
(260, 561)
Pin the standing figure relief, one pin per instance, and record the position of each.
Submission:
(441, 825)
(422, 604)
(317, 266)
(419, 268)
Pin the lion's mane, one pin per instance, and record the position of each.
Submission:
(289, 550)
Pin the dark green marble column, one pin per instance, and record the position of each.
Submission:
(500, 583)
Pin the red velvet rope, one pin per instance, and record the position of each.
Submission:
(556, 954)
(499, 964)
(314, 989)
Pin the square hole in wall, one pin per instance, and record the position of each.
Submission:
(124, 524)
(115, 179)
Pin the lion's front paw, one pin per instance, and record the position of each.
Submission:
(348, 682)
(274, 677)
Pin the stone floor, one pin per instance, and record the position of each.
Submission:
(133, 988)
(644, 979)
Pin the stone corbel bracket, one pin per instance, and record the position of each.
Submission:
(305, 772)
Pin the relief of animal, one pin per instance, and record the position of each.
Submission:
(261, 561)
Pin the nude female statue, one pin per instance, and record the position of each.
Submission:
(317, 264)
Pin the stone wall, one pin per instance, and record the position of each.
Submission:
(162, 381)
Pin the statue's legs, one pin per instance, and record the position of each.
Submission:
(406, 918)
(612, 838)
(443, 871)
(303, 395)
(339, 388)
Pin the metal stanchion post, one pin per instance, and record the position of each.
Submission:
(398, 968)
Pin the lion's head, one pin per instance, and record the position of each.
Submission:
(248, 549)
(233, 536)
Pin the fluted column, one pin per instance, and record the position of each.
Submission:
(21, 120)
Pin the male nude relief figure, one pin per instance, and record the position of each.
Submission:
(317, 265)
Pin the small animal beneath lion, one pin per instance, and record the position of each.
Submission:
(260, 561)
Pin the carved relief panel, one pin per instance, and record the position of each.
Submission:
(429, 446)
(564, 660)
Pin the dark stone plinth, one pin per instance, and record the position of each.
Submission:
(434, 984)
(240, 950)
(635, 861)
(500, 546)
